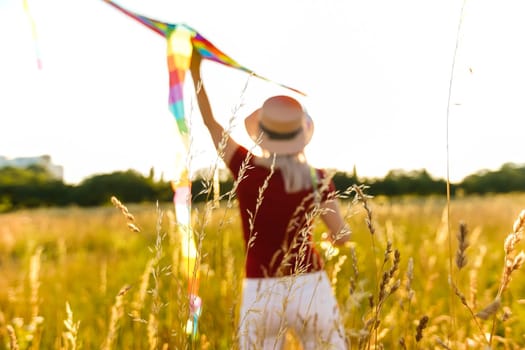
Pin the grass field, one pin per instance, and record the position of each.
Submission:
(80, 279)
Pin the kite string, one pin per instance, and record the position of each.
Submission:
(451, 80)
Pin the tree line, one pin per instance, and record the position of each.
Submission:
(34, 187)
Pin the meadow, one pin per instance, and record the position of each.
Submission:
(420, 273)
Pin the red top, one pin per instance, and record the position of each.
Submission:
(281, 240)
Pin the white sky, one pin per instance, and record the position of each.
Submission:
(376, 74)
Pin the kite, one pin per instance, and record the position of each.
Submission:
(181, 41)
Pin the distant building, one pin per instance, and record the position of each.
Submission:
(57, 171)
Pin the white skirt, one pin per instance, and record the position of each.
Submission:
(304, 303)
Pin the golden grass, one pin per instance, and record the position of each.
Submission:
(392, 281)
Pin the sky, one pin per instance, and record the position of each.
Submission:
(405, 84)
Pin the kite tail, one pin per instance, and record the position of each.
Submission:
(192, 325)
(179, 58)
(34, 34)
(182, 203)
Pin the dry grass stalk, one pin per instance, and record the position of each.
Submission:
(35, 326)
(460, 295)
(512, 261)
(117, 311)
(245, 166)
(473, 275)
(408, 296)
(70, 335)
(230, 195)
(463, 243)
(34, 282)
(461, 261)
(140, 296)
(337, 268)
(13, 341)
(402, 343)
(132, 227)
(423, 322)
(442, 343)
(395, 264)
(221, 146)
(388, 251)
(442, 230)
(212, 195)
(153, 326)
(489, 310)
(259, 201)
(511, 264)
(507, 313)
(124, 210)
(216, 187)
(300, 240)
(388, 286)
(363, 198)
(260, 196)
(156, 272)
(409, 279)
(173, 237)
(464, 301)
(355, 269)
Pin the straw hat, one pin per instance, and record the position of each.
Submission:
(283, 123)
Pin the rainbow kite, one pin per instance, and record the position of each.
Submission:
(181, 40)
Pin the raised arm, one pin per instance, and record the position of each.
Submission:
(224, 144)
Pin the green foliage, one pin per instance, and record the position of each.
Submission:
(129, 186)
(29, 188)
(400, 182)
(344, 180)
(21, 176)
(33, 187)
(509, 178)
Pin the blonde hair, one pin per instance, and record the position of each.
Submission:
(294, 169)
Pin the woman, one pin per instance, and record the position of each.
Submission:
(279, 195)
